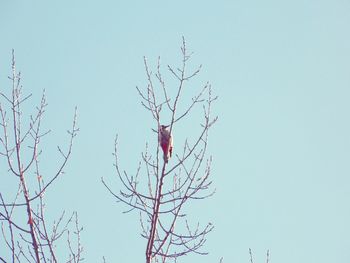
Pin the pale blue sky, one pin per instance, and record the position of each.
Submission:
(281, 147)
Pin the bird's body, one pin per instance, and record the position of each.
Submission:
(166, 142)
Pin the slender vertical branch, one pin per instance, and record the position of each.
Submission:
(251, 256)
(16, 112)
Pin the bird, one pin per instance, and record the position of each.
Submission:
(166, 142)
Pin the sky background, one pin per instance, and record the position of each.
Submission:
(281, 147)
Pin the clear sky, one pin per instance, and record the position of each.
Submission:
(281, 148)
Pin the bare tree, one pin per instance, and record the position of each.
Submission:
(27, 235)
(161, 190)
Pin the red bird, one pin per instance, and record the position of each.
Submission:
(166, 142)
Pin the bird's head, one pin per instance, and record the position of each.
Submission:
(163, 127)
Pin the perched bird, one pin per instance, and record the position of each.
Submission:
(166, 142)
